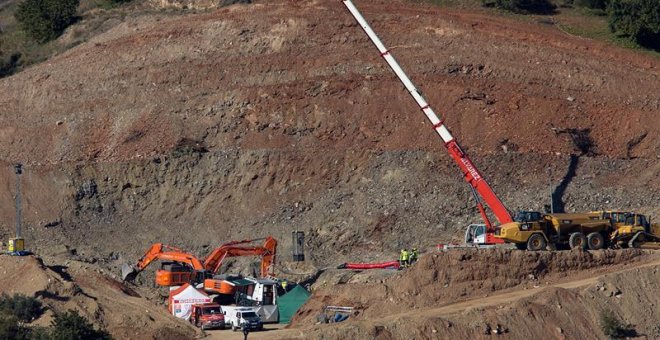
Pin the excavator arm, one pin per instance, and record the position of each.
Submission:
(470, 172)
(159, 251)
(267, 252)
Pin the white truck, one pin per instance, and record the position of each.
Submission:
(236, 317)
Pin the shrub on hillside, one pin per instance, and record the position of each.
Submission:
(595, 4)
(72, 326)
(45, 20)
(637, 19)
(613, 327)
(10, 328)
(522, 6)
(8, 65)
(25, 308)
(231, 2)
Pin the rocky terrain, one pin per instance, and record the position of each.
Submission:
(262, 119)
(463, 295)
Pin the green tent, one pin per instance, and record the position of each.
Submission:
(289, 303)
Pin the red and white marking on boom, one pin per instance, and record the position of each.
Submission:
(472, 175)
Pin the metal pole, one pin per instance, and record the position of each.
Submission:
(19, 171)
(552, 194)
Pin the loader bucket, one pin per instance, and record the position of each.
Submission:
(128, 272)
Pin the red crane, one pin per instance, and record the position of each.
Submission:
(479, 185)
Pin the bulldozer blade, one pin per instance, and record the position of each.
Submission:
(128, 272)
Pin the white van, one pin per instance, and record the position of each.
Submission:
(235, 317)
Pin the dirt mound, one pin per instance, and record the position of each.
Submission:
(564, 310)
(106, 302)
(443, 278)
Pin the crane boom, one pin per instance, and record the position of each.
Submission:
(470, 172)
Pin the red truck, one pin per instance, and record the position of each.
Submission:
(207, 316)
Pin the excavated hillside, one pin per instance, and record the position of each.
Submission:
(261, 119)
(474, 295)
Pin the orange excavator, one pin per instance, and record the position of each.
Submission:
(214, 261)
(181, 267)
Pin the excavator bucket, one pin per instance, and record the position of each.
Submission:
(128, 272)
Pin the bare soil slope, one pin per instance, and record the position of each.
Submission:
(562, 297)
(278, 116)
(107, 303)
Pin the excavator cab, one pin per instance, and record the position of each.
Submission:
(475, 234)
(178, 267)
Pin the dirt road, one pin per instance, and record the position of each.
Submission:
(460, 307)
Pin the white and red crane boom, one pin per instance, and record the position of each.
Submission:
(470, 172)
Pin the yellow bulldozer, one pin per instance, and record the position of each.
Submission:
(632, 230)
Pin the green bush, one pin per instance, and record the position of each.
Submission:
(637, 19)
(231, 2)
(10, 328)
(9, 65)
(24, 308)
(522, 6)
(72, 326)
(594, 4)
(45, 20)
(613, 327)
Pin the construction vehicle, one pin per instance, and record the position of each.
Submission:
(181, 267)
(214, 261)
(632, 230)
(207, 316)
(535, 231)
(239, 317)
(481, 190)
(267, 251)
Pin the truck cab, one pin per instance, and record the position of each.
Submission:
(207, 316)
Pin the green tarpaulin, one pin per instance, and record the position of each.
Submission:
(289, 303)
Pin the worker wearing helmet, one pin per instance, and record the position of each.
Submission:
(413, 256)
(405, 256)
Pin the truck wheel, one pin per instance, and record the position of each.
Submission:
(577, 241)
(536, 242)
(595, 241)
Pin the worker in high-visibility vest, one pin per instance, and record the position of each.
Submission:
(403, 259)
(413, 256)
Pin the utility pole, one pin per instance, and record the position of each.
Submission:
(17, 244)
(552, 194)
(19, 170)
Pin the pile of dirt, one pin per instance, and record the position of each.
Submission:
(569, 311)
(442, 278)
(106, 302)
